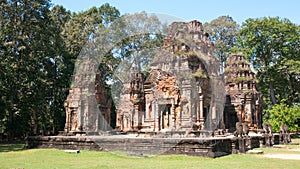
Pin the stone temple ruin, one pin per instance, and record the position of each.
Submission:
(180, 105)
(177, 94)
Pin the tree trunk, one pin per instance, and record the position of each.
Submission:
(272, 93)
(10, 122)
(35, 123)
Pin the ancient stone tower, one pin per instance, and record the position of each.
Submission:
(177, 95)
(243, 101)
(87, 105)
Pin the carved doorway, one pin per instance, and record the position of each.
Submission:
(164, 116)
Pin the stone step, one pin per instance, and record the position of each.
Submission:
(254, 152)
(72, 151)
(279, 146)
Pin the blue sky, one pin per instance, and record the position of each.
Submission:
(204, 11)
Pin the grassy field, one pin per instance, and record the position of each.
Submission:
(13, 156)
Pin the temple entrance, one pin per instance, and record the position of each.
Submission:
(164, 116)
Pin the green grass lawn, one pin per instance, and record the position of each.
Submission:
(12, 156)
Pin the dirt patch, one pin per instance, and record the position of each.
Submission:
(296, 150)
(284, 156)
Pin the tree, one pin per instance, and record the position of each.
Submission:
(272, 46)
(74, 33)
(82, 30)
(59, 71)
(128, 42)
(38, 49)
(24, 44)
(140, 33)
(223, 33)
(82, 26)
(283, 113)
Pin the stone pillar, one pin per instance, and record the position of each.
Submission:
(147, 110)
(201, 118)
(67, 124)
(68, 121)
(201, 108)
(118, 120)
(136, 116)
(214, 114)
(173, 118)
(153, 110)
(198, 111)
(234, 146)
(80, 114)
(97, 127)
(156, 117)
(261, 142)
(248, 143)
(242, 146)
(190, 105)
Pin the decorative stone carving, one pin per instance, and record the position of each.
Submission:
(284, 134)
(245, 128)
(239, 129)
(242, 129)
(267, 135)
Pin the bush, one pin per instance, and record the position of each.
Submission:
(283, 114)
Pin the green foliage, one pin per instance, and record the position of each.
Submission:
(25, 37)
(185, 53)
(223, 33)
(199, 74)
(38, 48)
(133, 40)
(272, 46)
(82, 27)
(238, 79)
(283, 114)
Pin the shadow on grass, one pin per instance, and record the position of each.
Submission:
(295, 135)
(7, 147)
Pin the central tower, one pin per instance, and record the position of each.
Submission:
(177, 95)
